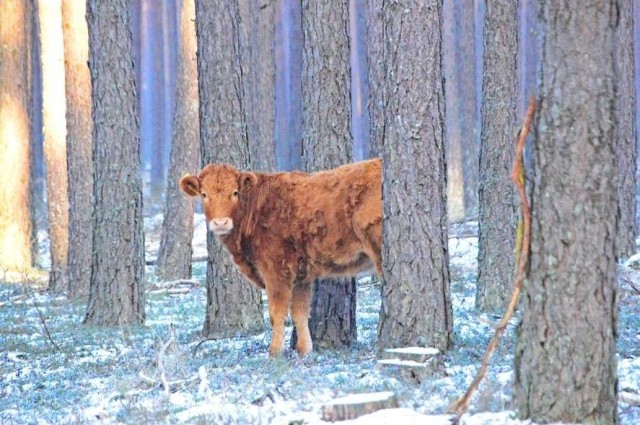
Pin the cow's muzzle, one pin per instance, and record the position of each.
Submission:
(221, 226)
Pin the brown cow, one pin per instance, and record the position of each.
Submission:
(286, 229)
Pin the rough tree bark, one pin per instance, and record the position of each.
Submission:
(15, 223)
(327, 143)
(79, 154)
(625, 130)
(116, 295)
(174, 255)
(258, 61)
(416, 300)
(565, 363)
(498, 206)
(233, 305)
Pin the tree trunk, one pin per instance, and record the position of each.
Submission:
(359, 80)
(233, 305)
(174, 255)
(625, 132)
(453, 145)
(374, 43)
(565, 363)
(327, 143)
(466, 72)
(37, 205)
(416, 301)
(498, 208)
(15, 223)
(258, 37)
(79, 155)
(116, 295)
(55, 133)
(288, 131)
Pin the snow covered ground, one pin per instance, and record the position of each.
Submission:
(55, 371)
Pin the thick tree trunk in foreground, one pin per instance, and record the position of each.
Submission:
(498, 210)
(565, 363)
(79, 148)
(174, 255)
(116, 295)
(233, 305)
(416, 301)
(625, 132)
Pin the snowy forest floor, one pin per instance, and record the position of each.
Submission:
(54, 370)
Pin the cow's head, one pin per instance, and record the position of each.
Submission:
(220, 186)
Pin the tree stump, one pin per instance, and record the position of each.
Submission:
(413, 363)
(355, 405)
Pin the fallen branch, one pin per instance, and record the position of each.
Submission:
(523, 243)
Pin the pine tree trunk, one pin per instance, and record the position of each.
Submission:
(174, 255)
(416, 301)
(15, 224)
(258, 37)
(55, 133)
(565, 363)
(498, 217)
(625, 132)
(37, 210)
(453, 147)
(79, 155)
(374, 28)
(288, 86)
(233, 305)
(116, 295)
(359, 80)
(466, 72)
(327, 143)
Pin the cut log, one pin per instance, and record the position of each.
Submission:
(416, 354)
(414, 363)
(355, 405)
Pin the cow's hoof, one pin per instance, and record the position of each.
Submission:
(303, 350)
(274, 353)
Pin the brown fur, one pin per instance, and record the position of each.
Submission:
(288, 229)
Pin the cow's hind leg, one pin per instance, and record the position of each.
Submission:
(300, 306)
(279, 301)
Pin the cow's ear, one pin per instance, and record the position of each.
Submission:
(246, 181)
(190, 185)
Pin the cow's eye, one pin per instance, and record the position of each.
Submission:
(235, 193)
(204, 195)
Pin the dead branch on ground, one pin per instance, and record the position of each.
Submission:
(522, 244)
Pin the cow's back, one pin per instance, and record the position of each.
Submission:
(338, 217)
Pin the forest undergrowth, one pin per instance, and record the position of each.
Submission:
(54, 370)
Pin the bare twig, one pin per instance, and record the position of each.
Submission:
(43, 319)
(163, 349)
(517, 176)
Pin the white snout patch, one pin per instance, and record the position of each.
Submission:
(221, 226)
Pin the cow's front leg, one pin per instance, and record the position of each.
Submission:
(279, 301)
(301, 304)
